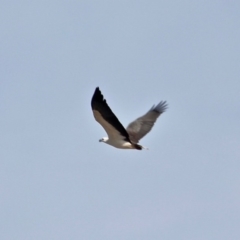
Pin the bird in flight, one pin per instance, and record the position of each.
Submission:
(118, 136)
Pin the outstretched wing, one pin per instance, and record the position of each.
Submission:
(104, 115)
(143, 125)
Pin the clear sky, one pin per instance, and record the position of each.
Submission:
(58, 182)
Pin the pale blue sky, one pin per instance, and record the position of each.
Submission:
(58, 182)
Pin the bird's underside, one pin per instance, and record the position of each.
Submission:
(118, 136)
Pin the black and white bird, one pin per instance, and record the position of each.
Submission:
(118, 136)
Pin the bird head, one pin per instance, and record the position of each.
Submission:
(104, 139)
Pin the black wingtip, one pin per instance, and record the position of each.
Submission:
(160, 107)
(96, 98)
(96, 90)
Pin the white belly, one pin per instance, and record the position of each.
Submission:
(121, 144)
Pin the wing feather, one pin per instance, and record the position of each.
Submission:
(104, 115)
(143, 125)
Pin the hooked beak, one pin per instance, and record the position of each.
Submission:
(100, 140)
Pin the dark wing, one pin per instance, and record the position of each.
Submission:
(143, 125)
(104, 115)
